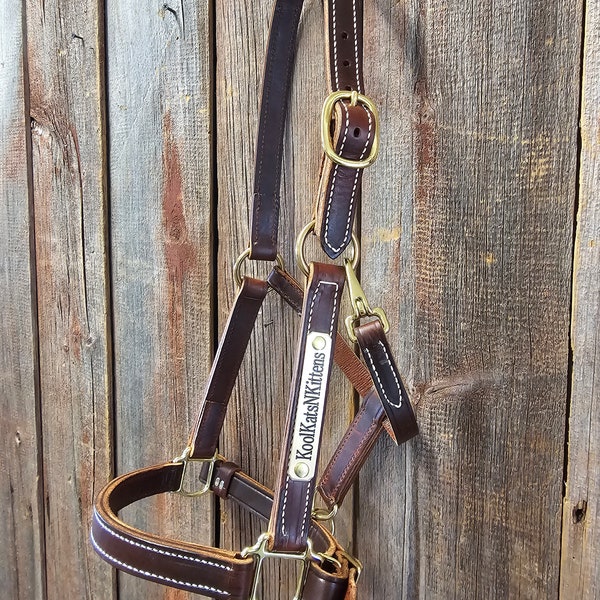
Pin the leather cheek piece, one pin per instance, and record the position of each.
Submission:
(277, 79)
(289, 289)
(229, 356)
(192, 567)
(340, 186)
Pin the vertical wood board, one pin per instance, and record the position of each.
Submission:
(482, 266)
(580, 568)
(21, 558)
(159, 160)
(66, 61)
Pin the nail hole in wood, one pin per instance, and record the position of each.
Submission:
(579, 511)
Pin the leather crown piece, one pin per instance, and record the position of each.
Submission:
(293, 530)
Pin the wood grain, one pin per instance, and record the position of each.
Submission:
(580, 568)
(158, 107)
(256, 418)
(65, 62)
(468, 226)
(116, 275)
(21, 528)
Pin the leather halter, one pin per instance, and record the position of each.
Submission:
(294, 530)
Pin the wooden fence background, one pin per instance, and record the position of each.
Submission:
(126, 147)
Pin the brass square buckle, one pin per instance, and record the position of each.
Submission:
(185, 460)
(326, 140)
(260, 552)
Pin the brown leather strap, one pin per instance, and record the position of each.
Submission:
(213, 572)
(353, 131)
(352, 451)
(380, 361)
(277, 79)
(356, 372)
(368, 423)
(226, 365)
(300, 452)
(344, 44)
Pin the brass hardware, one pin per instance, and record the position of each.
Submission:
(354, 562)
(185, 460)
(360, 306)
(260, 551)
(321, 514)
(355, 256)
(319, 343)
(301, 469)
(326, 140)
(237, 267)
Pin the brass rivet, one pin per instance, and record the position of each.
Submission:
(301, 469)
(319, 343)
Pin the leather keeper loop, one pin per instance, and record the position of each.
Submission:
(224, 477)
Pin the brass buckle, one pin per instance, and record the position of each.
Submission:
(237, 267)
(360, 306)
(326, 140)
(355, 256)
(260, 552)
(354, 562)
(185, 460)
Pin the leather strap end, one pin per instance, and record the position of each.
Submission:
(394, 398)
(340, 186)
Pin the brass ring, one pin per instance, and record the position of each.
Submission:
(300, 248)
(237, 267)
(321, 514)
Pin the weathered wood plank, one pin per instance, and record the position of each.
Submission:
(580, 568)
(158, 100)
(21, 528)
(66, 62)
(473, 243)
(254, 426)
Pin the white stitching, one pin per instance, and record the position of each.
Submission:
(356, 64)
(305, 511)
(335, 60)
(287, 479)
(283, 506)
(159, 551)
(312, 304)
(393, 374)
(197, 586)
(353, 196)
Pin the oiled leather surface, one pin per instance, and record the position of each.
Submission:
(353, 129)
(201, 569)
(277, 78)
(380, 361)
(293, 497)
(226, 365)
